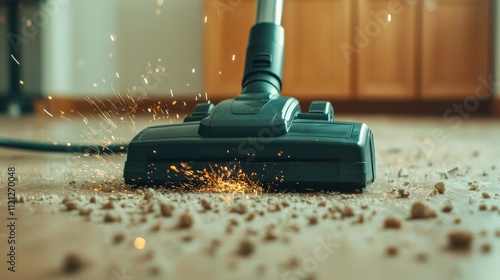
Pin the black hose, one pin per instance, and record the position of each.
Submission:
(62, 148)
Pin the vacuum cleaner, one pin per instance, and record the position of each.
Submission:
(265, 135)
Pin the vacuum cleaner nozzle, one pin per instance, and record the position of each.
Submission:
(260, 133)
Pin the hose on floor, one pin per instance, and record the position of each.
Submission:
(62, 148)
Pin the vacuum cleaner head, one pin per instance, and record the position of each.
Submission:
(259, 133)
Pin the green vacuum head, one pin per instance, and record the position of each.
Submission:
(261, 133)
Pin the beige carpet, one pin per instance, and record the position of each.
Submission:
(76, 220)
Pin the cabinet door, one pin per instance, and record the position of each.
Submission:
(456, 46)
(384, 41)
(227, 27)
(315, 66)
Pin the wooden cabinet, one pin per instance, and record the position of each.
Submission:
(359, 50)
(385, 40)
(455, 47)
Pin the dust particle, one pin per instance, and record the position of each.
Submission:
(166, 209)
(245, 248)
(392, 222)
(118, 238)
(347, 212)
(109, 205)
(457, 221)
(486, 195)
(447, 208)
(440, 187)
(250, 217)
(239, 208)
(72, 264)
(403, 172)
(185, 221)
(206, 205)
(421, 257)
(459, 240)
(403, 193)
(150, 193)
(421, 211)
(483, 207)
(486, 248)
(391, 251)
(233, 222)
(313, 220)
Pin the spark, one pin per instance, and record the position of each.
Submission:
(146, 80)
(206, 19)
(193, 71)
(220, 72)
(113, 37)
(139, 243)
(54, 142)
(45, 110)
(11, 55)
(171, 92)
(159, 2)
(234, 57)
(94, 84)
(49, 97)
(117, 75)
(21, 82)
(389, 17)
(28, 22)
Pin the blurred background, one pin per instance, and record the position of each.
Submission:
(366, 56)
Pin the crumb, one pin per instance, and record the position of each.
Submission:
(361, 218)
(421, 257)
(483, 207)
(391, 251)
(485, 248)
(166, 209)
(406, 183)
(295, 228)
(497, 233)
(185, 221)
(85, 212)
(403, 193)
(108, 218)
(206, 205)
(154, 270)
(93, 199)
(150, 193)
(322, 203)
(447, 208)
(245, 248)
(109, 205)
(269, 235)
(72, 264)
(294, 215)
(433, 192)
(285, 204)
(70, 206)
(459, 240)
(457, 221)
(440, 187)
(250, 217)
(312, 220)
(277, 207)
(187, 238)
(233, 222)
(392, 222)
(421, 211)
(20, 198)
(473, 187)
(403, 172)
(240, 209)
(486, 195)
(494, 208)
(213, 246)
(118, 238)
(364, 206)
(347, 212)
(156, 227)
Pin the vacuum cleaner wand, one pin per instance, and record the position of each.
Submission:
(263, 134)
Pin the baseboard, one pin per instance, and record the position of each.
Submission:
(161, 105)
